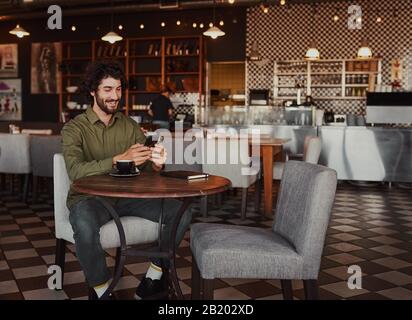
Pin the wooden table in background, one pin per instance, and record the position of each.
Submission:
(269, 148)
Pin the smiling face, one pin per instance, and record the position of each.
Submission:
(108, 95)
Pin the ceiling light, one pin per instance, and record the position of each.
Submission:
(73, 28)
(222, 23)
(194, 25)
(231, 1)
(201, 26)
(120, 27)
(364, 51)
(264, 7)
(282, 2)
(378, 19)
(335, 18)
(178, 22)
(112, 37)
(214, 32)
(312, 54)
(19, 32)
(163, 24)
(142, 26)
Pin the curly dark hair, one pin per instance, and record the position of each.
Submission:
(98, 71)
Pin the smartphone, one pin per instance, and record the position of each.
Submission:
(149, 142)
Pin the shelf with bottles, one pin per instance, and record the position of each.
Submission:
(104, 50)
(182, 47)
(145, 48)
(356, 91)
(290, 67)
(324, 79)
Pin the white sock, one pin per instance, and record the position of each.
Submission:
(100, 290)
(154, 272)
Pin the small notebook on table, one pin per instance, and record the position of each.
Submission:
(188, 175)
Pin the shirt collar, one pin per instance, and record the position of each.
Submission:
(93, 118)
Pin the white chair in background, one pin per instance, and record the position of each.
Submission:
(15, 157)
(311, 153)
(226, 157)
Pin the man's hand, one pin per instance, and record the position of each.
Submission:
(158, 156)
(137, 152)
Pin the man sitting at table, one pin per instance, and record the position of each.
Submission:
(92, 143)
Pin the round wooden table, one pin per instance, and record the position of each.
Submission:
(149, 185)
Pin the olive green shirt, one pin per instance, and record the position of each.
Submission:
(89, 146)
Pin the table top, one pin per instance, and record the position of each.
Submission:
(149, 185)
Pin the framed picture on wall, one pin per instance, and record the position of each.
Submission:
(10, 99)
(8, 60)
(45, 60)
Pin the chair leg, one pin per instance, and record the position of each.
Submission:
(311, 289)
(12, 183)
(35, 182)
(195, 281)
(2, 181)
(258, 191)
(26, 187)
(287, 290)
(60, 257)
(244, 203)
(203, 206)
(208, 289)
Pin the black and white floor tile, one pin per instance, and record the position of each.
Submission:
(370, 227)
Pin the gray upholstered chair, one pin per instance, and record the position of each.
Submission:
(137, 230)
(15, 157)
(311, 153)
(42, 150)
(292, 249)
(227, 157)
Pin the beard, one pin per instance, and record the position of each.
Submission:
(107, 106)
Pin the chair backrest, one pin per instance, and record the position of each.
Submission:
(311, 150)
(229, 157)
(303, 210)
(42, 150)
(15, 153)
(61, 188)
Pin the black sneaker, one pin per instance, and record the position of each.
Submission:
(150, 289)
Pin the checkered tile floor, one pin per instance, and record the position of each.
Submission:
(370, 227)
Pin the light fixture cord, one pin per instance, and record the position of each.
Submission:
(214, 12)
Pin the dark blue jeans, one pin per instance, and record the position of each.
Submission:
(87, 216)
